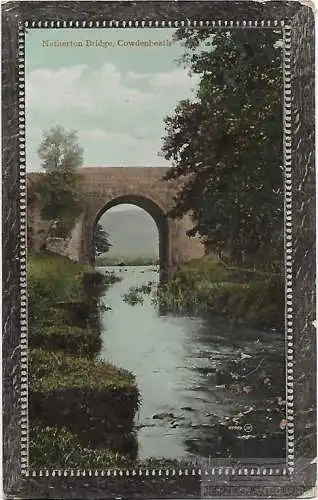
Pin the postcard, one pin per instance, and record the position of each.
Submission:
(166, 237)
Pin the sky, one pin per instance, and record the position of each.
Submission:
(115, 96)
(131, 231)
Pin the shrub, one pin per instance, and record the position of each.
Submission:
(47, 317)
(135, 293)
(94, 283)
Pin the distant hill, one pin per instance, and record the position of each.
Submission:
(133, 233)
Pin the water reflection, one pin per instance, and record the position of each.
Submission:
(178, 362)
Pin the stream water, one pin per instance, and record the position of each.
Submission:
(175, 360)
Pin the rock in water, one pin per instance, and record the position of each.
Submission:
(161, 416)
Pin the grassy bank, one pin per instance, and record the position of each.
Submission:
(91, 398)
(246, 295)
(61, 449)
(75, 399)
(61, 315)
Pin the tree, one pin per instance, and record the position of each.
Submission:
(228, 141)
(101, 240)
(60, 151)
(60, 191)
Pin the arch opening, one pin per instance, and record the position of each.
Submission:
(157, 215)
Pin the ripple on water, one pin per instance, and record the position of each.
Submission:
(175, 359)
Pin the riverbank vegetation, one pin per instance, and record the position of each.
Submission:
(106, 260)
(246, 295)
(58, 448)
(101, 240)
(251, 296)
(226, 146)
(135, 294)
(81, 409)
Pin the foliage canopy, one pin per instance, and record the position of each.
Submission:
(60, 151)
(60, 191)
(101, 240)
(228, 142)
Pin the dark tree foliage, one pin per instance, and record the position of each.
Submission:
(60, 187)
(101, 240)
(228, 141)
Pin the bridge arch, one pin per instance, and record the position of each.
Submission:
(155, 211)
(105, 187)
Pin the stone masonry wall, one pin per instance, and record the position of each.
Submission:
(106, 186)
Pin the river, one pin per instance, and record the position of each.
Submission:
(176, 360)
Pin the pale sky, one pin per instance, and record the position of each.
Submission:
(115, 97)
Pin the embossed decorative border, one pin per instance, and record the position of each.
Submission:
(288, 244)
(181, 483)
(220, 467)
(23, 255)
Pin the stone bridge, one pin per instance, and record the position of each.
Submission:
(105, 187)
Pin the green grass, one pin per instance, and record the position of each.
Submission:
(216, 271)
(52, 279)
(61, 311)
(59, 336)
(58, 448)
(249, 295)
(56, 277)
(75, 400)
(51, 371)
